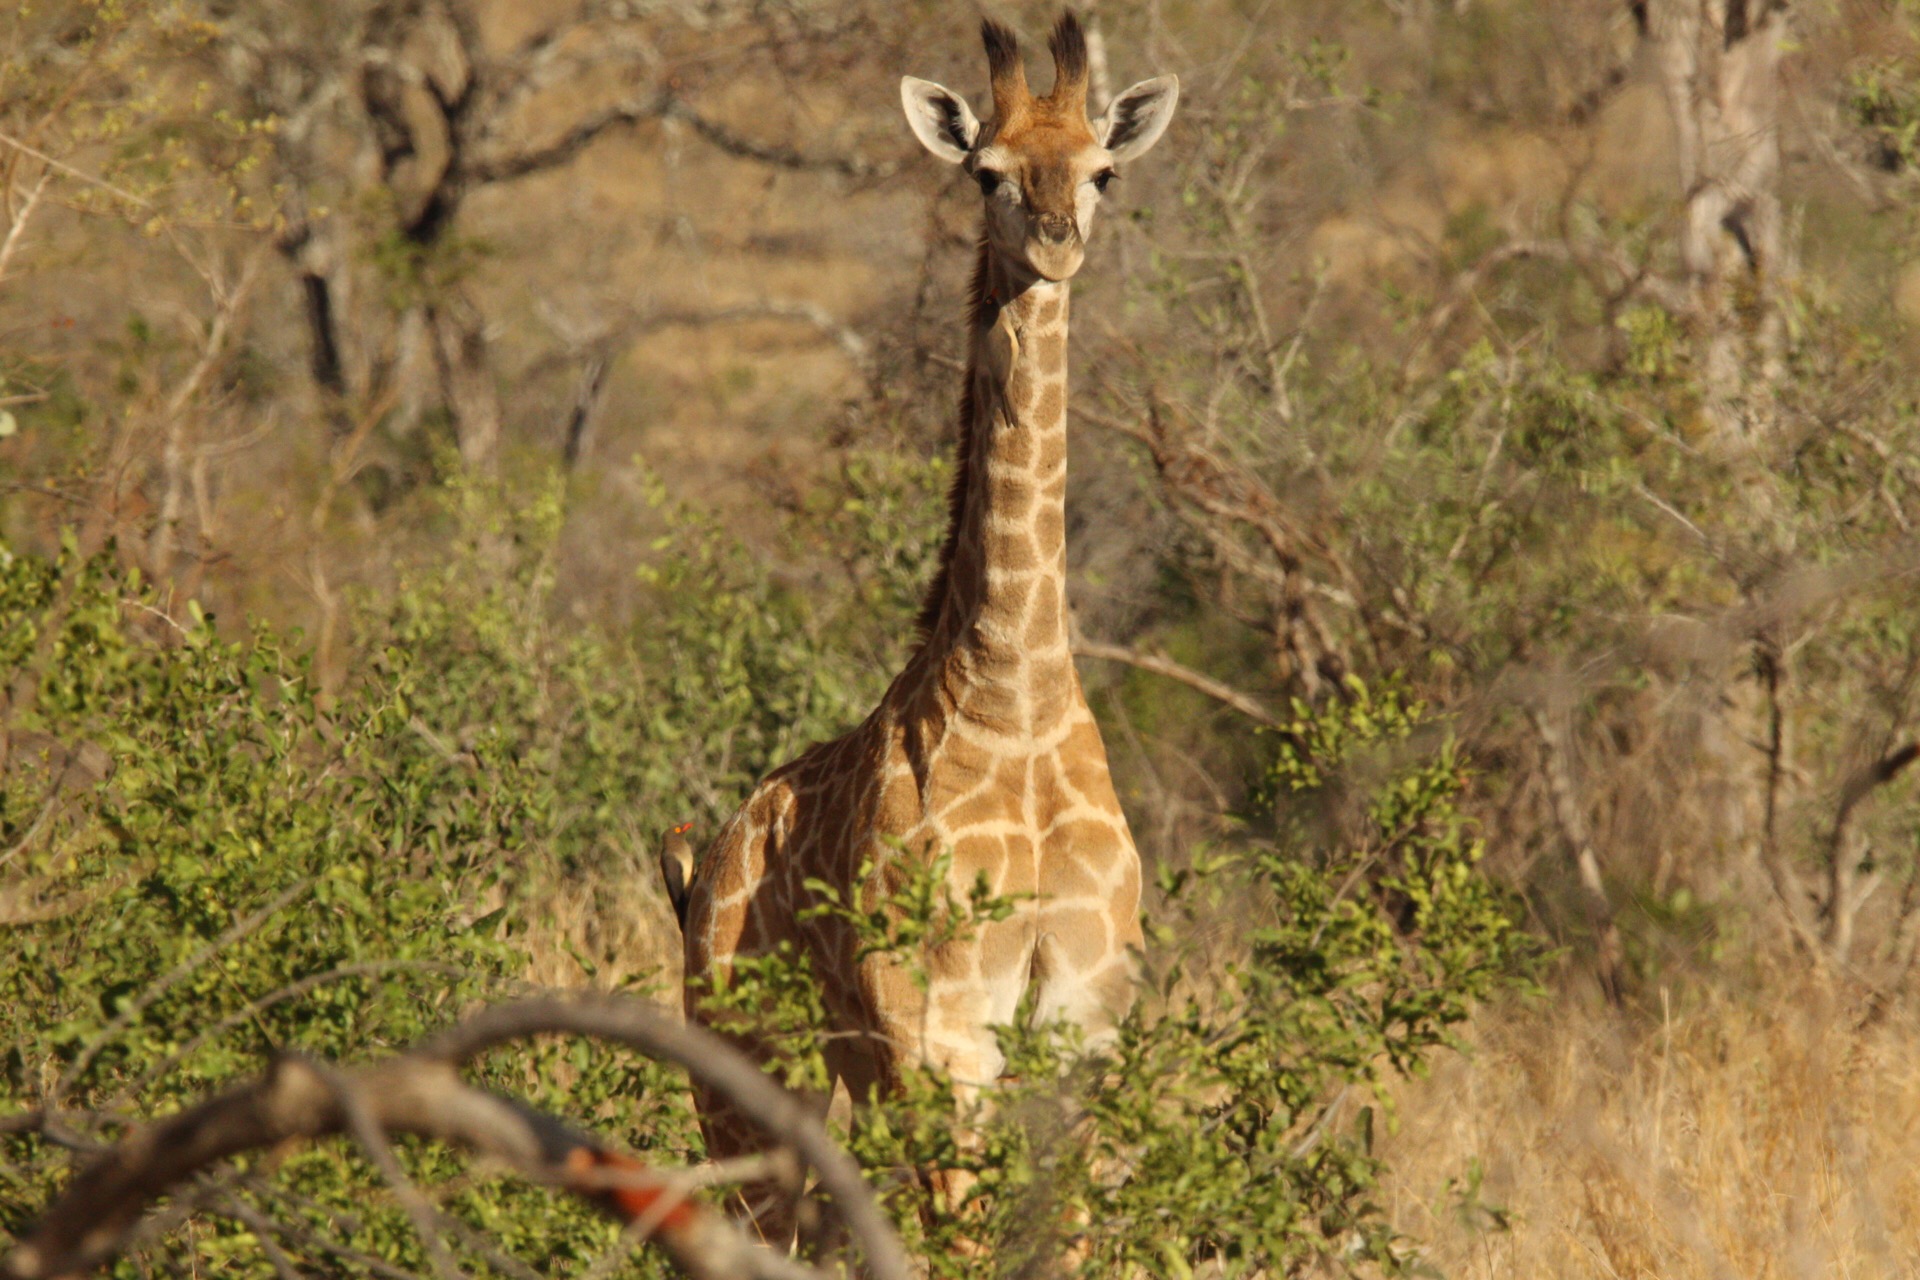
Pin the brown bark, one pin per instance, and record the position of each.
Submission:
(1223, 499)
(1849, 881)
(466, 378)
(1719, 63)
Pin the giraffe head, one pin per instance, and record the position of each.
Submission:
(1041, 164)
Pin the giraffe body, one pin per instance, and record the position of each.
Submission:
(983, 746)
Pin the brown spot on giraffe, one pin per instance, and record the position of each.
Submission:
(1053, 401)
(983, 745)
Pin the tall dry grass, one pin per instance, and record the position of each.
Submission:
(1768, 1132)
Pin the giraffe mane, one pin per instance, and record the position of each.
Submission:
(978, 304)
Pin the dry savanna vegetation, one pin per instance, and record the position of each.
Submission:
(444, 444)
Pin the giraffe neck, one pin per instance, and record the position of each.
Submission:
(1001, 612)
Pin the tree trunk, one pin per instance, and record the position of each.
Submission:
(1719, 63)
(466, 379)
(1570, 816)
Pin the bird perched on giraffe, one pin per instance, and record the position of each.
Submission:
(983, 747)
(676, 868)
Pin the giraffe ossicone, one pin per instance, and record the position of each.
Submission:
(983, 746)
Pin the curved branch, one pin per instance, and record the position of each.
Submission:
(662, 106)
(569, 144)
(712, 1062)
(1847, 887)
(302, 1099)
(421, 1093)
(854, 166)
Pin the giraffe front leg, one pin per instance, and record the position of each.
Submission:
(972, 1061)
(1089, 990)
(950, 1033)
(772, 1204)
(1086, 968)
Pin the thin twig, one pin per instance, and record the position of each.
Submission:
(140, 1003)
(1773, 677)
(1164, 666)
(308, 1237)
(20, 220)
(72, 172)
(291, 991)
(264, 1229)
(1565, 803)
(1846, 892)
(641, 1229)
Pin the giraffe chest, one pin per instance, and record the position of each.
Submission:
(1001, 801)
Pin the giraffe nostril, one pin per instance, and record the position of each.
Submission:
(1055, 228)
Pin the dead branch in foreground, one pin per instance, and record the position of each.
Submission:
(421, 1093)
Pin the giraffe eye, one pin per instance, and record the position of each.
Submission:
(989, 180)
(1102, 178)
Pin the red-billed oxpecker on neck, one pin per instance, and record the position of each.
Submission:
(676, 868)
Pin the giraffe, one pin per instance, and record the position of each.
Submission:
(983, 746)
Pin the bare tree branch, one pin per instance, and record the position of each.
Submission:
(713, 1063)
(664, 105)
(1164, 666)
(1306, 648)
(420, 1093)
(519, 164)
(1774, 858)
(854, 166)
(358, 1119)
(21, 218)
(120, 192)
(586, 396)
(1847, 888)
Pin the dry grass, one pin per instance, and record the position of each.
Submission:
(605, 930)
(1766, 1134)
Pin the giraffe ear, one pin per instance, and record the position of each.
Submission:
(1136, 119)
(940, 118)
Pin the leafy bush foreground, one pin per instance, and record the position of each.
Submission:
(205, 857)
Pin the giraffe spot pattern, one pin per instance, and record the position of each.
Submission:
(1052, 402)
(983, 746)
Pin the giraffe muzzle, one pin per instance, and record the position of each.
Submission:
(1053, 247)
(1056, 229)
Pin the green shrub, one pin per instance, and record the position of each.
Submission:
(204, 866)
(210, 860)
